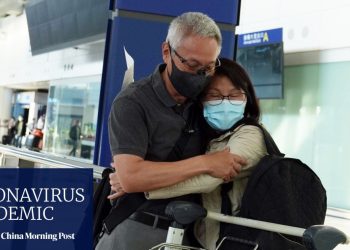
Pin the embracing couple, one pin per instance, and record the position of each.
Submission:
(174, 135)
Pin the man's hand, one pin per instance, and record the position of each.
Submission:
(116, 188)
(224, 164)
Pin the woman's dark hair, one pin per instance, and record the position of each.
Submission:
(240, 80)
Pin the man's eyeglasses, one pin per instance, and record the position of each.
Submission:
(195, 66)
(235, 98)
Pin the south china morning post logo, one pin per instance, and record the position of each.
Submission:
(40, 236)
(45, 209)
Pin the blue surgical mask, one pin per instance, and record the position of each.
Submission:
(224, 115)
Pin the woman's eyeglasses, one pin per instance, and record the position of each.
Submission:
(234, 98)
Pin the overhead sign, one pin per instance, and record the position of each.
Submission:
(260, 38)
(225, 12)
(25, 97)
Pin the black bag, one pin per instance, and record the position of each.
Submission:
(6, 139)
(101, 205)
(280, 190)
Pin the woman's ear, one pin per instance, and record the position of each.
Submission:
(166, 52)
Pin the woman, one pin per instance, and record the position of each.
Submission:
(228, 99)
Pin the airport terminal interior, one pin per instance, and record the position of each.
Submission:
(54, 81)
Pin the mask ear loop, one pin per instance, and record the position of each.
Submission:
(172, 63)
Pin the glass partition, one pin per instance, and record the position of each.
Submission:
(312, 123)
(71, 117)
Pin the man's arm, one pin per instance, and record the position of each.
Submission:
(138, 175)
(247, 141)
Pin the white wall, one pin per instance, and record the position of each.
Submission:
(17, 65)
(5, 108)
(307, 24)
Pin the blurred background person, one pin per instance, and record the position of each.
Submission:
(20, 131)
(74, 135)
(11, 132)
(41, 122)
(31, 126)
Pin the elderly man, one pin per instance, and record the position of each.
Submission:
(155, 117)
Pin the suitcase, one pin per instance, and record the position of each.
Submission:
(32, 142)
(6, 139)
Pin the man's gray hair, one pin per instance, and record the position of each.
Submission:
(192, 23)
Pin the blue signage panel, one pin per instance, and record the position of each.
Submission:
(261, 54)
(260, 38)
(142, 38)
(45, 209)
(146, 51)
(223, 11)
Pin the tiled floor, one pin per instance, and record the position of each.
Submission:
(339, 219)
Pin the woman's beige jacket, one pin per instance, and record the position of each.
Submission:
(246, 141)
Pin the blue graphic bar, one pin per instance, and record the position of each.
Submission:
(46, 209)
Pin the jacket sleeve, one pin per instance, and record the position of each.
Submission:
(246, 141)
(198, 184)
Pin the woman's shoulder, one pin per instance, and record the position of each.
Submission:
(238, 131)
(248, 141)
(247, 129)
(248, 133)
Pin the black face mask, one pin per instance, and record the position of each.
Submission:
(187, 84)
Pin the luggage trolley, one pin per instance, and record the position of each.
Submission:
(317, 237)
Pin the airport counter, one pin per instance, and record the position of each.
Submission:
(11, 156)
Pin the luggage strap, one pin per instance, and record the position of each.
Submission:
(125, 207)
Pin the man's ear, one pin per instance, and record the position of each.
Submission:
(166, 52)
